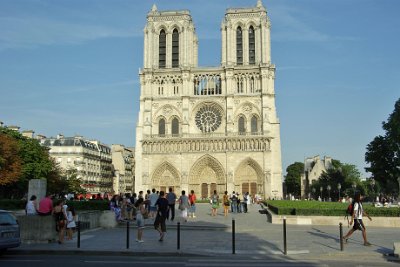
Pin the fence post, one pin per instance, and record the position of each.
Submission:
(341, 236)
(127, 235)
(233, 236)
(284, 237)
(178, 239)
(79, 234)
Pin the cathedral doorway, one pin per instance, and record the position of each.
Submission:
(207, 175)
(166, 176)
(248, 178)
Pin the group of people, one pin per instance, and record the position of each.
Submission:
(64, 215)
(237, 205)
(156, 205)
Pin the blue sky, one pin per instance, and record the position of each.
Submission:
(72, 66)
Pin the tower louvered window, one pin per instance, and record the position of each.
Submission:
(162, 47)
(254, 124)
(175, 127)
(252, 46)
(239, 46)
(175, 49)
(161, 127)
(241, 128)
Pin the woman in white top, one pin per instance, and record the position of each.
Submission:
(70, 222)
(30, 208)
(358, 212)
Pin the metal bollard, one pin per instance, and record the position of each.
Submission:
(178, 239)
(127, 235)
(284, 237)
(79, 234)
(341, 236)
(233, 236)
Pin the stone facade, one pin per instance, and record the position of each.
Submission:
(313, 168)
(208, 128)
(122, 160)
(91, 159)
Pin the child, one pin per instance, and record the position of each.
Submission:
(71, 217)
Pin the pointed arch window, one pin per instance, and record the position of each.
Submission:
(252, 46)
(254, 124)
(175, 49)
(239, 46)
(161, 127)
(175, 127)
(162, 49)
(241, 125)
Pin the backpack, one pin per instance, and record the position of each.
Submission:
(349, 212)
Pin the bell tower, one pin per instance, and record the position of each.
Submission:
(246, 36)
(170, 40)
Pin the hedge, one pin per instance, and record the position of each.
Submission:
(316, 208)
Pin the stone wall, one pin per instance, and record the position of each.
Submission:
(42, 229)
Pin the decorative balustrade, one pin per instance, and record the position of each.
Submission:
(210, 144)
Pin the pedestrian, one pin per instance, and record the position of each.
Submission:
(153, 199)
(214, 203)
(30, 208)
(357, 215)
(239, 206)
(162, 213)
(59, 216)
(192, 201)
(45, 206)
(244, 202)
(114, 206)
(234, 206)
(225, 200)
(140, 212)
(184, 204)
(171, 197)
(71, 225)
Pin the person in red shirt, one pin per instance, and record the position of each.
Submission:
(45, 206)
(192, 200)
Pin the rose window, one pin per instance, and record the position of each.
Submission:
(208, 119)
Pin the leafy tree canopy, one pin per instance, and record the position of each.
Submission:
(34, 161)
(341, 173)
(293, 178)
(383, 154)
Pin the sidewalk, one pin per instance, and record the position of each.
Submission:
(206, 235)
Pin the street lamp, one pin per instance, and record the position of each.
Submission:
(354, 185)
(329, 192)
(339, 186)
(320, 190)
(373, 189)
(398, 179)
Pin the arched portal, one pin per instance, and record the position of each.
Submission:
(249, 178)
(165, 176)
(206, 175)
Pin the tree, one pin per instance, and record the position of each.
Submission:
(383, 154)
(293, 178)
(35, 163)
(340, 173)
(10, 162)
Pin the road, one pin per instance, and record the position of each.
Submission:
(176, 261)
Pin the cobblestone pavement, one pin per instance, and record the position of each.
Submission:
(207, 235)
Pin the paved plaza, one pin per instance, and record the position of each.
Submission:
(206, 235)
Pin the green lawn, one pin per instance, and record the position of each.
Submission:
(317, 208)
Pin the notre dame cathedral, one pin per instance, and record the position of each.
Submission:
(208, 128)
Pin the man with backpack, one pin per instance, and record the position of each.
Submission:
(357, 212)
